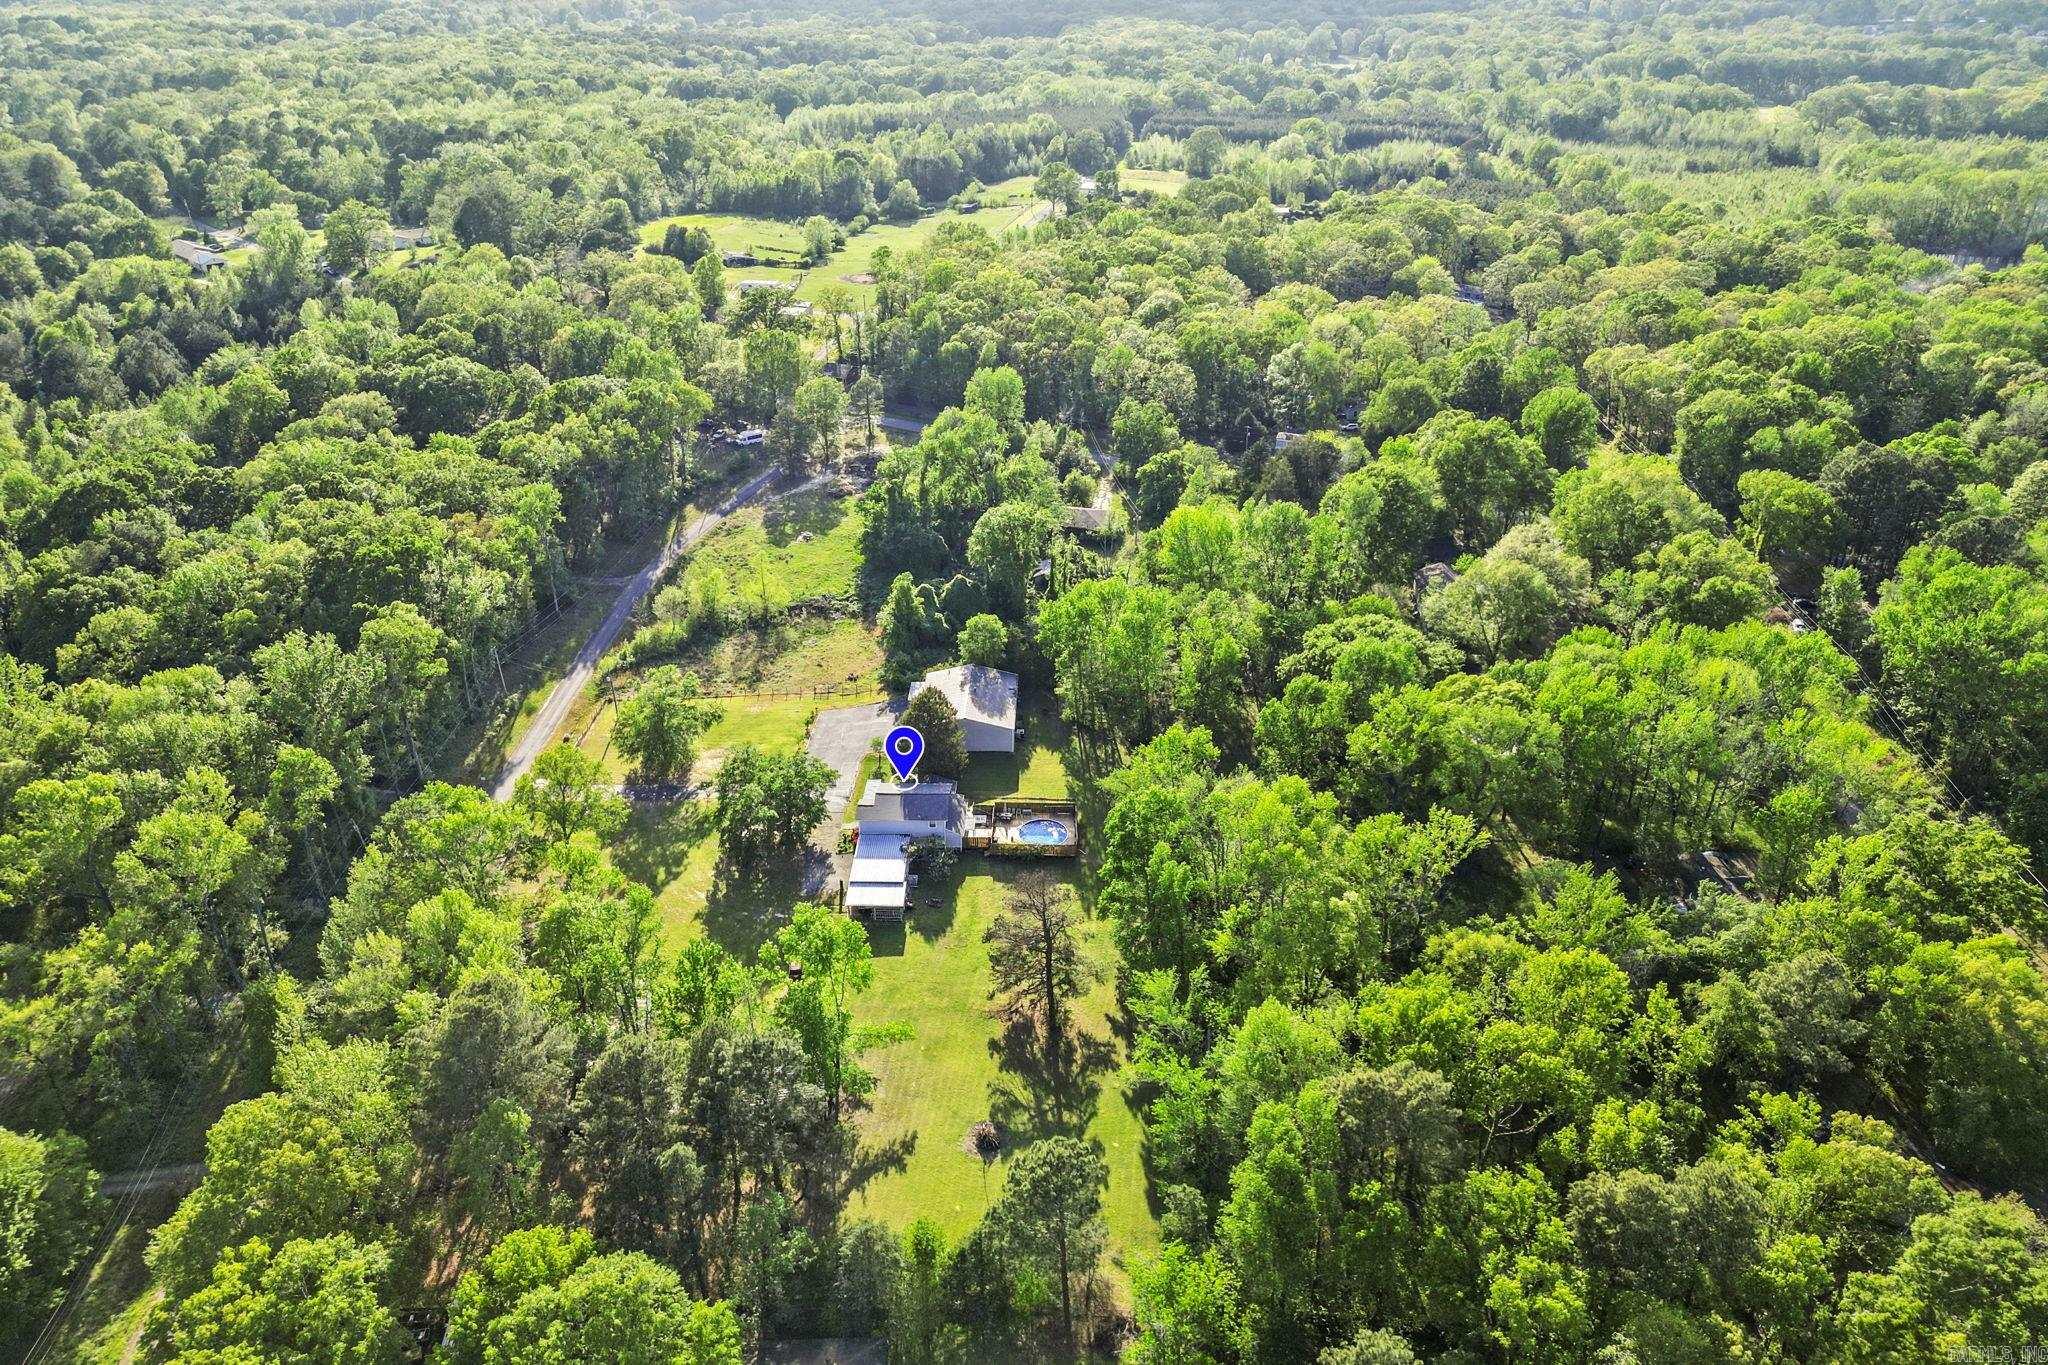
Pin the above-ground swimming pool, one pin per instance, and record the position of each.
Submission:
(1043, 831)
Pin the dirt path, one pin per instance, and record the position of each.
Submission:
(562, 698)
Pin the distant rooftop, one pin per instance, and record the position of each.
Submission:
(197, 255)
(1090, 519)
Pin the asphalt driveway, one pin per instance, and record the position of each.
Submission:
(840, 739)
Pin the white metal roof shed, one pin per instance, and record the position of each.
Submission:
(879, 858)
(877, 895)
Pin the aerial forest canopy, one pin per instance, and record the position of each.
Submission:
(1517, 536)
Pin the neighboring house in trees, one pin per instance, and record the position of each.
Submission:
(1089, 521)
(985, 699)
(1433, 578)
(202, 259)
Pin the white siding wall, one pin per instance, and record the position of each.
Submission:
(983, 738)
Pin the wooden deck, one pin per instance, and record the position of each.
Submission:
(998, 828)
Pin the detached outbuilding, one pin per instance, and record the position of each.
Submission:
(200, 257)
(984, 698)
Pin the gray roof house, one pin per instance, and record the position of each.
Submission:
(917, 810)
(888, 820)
(984, 698)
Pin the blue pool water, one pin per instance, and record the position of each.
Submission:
(1042, 832)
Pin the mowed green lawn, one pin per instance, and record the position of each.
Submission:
(1035, 769)
(961, 1066)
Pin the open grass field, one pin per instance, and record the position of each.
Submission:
(767, 722)
(1152, 182)
(804, 545)
(745, 232)
(674, 850)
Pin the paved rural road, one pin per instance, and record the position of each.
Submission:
(555, 709)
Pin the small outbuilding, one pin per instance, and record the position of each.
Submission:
(878, 882)
(984, 698)
(201, 258)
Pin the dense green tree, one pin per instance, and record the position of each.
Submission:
(766, 803)
(945, 742)
(1051, 1208)
(308, 1300)
(51, 1207)
(660, 724)
(1035, 959)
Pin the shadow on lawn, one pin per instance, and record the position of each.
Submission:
(935, 902)
(886, 937)
(866, 1162)
(653, 848)
(791, 517)
(745, 909)
(1038, 1096)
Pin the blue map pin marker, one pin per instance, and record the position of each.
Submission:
(904, 747)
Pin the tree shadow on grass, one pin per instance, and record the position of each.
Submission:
(1037, 1097)
(656, 842)
(934, 902)
(868, 1161)
(817, 513)
(886, 937)
(746, 907)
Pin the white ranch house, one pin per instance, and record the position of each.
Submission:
(890, 818)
